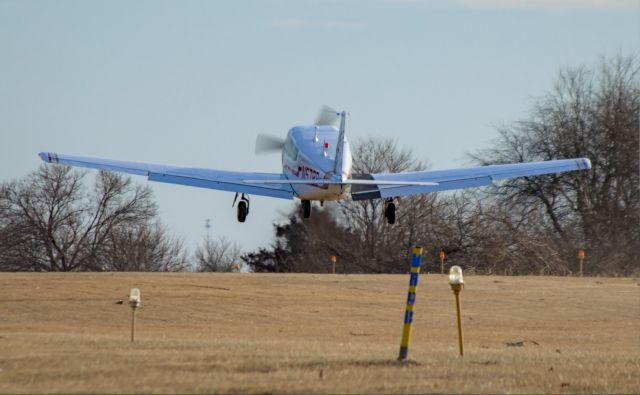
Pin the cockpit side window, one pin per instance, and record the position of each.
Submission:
(290, 149)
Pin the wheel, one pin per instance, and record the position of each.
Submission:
(390, 213)
(242, 211)
(306, 209)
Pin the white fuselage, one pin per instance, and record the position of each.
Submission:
(310, 153)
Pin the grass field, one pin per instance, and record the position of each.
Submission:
(267, 333)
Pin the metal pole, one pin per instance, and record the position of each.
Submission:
(441, 264)
(460, 342)
(133, 324)
(416, 260)
(581, 265)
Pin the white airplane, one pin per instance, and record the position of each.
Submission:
(317, 165)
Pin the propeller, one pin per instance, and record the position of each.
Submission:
(327, 116)
(266, 143)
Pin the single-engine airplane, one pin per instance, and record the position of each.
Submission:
(317, 165)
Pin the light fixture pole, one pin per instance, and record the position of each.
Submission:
(457, 284)
(134, 302)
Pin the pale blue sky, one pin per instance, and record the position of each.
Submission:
(192, 82)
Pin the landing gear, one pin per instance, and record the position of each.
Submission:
(306, 209)
(390, 211)
(243, 207)
(243, 210)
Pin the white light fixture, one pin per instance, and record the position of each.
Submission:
(134, 302)
(134, 297)
(457, 283)
(455, 276)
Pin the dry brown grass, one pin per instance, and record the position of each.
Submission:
(316, 333)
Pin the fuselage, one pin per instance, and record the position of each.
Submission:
(310, 154)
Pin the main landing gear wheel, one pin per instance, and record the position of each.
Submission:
(306, 208)
(390, 211)
(243, 210)
(243, 207)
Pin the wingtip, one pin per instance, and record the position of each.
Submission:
(48, 157)
(585, 163)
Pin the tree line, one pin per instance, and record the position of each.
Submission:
(52, 220)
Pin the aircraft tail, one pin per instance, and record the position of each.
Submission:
(342, 168)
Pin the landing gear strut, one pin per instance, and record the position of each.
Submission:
(390, 211)
(243, 207)
(306, 208)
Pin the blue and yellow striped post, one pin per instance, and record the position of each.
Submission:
(416, 260)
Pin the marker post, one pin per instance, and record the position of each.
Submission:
(416, 260)
(581, 258)
(441, 255)
(333, 264)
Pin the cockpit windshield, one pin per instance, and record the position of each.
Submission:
(290, 149)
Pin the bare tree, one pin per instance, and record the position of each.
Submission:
(384, 247)
(219, 255)
(590, 113)
(142, 247)
(49, 222)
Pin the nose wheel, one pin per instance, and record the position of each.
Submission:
(306, 209)
(243, 207)
(390, 211)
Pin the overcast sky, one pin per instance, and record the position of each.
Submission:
(192, 82)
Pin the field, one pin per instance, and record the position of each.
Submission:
(300, 333)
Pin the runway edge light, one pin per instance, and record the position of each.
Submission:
(416, 261)
(457, 284)
(134, 301)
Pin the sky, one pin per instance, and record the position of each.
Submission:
(192, 83)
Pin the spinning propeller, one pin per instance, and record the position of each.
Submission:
(327, 116)
(266, 143)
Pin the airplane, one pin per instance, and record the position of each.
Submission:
(317, 166)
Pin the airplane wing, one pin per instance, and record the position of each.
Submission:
(458, 178)
(232, 181)
(323, 181)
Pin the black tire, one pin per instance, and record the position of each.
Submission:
(306, 209)
(390, 213)
(242, 211)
